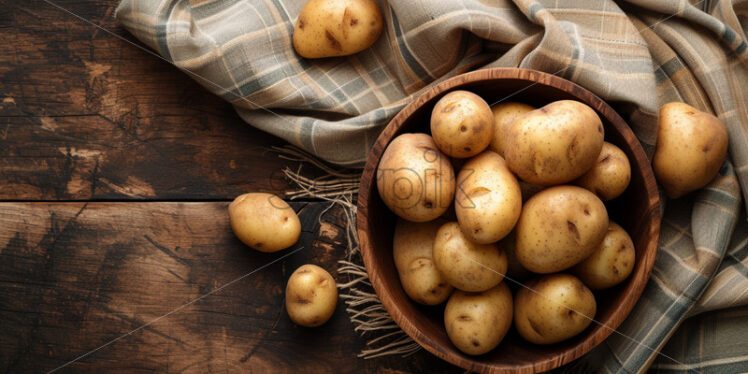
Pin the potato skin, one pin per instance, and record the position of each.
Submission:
(558, 228)
(311, 296)
(412, 249)
(461, 124)
(264, 222)
(466, 265)
(414, 179)
(477, 322)
(554, 144)
(610, 175)
(559, 307)
(328, 28)
(611, 263)
(488, 199)
(691, 146)
(504, 114)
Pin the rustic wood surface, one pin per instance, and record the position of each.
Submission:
(115, 173)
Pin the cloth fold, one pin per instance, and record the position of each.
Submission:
(635, 54)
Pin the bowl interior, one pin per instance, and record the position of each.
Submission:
(637, 210)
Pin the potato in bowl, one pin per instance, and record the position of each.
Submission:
(636, 210)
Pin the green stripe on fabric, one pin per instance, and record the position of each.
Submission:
(533, 10)
(407, 55)
(212, 7)
(258, 82)
(729, 35)
(733, 262)
(741, 47)
(668, 69)
(163, 44)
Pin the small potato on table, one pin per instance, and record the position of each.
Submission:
(311, 296)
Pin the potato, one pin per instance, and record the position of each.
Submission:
(611, 263)
(691, 146)
(554, 144)
(264, 222)
(466, 265)
(610, 176)
(412, 250)
(328, 28)
(559, 227)
(553, 308)
(477, 322)
(488, 199)
(462, 124)
(415, 180)
(311, 296)
(504, 114)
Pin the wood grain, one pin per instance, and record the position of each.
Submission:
(637, 210)
(74, 276)
(84, 115)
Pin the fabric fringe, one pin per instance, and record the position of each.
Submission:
(365, 310)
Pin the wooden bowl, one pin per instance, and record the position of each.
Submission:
(637, 210)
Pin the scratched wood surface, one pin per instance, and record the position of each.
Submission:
(115, 173)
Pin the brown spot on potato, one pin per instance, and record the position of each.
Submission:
(478, 191)
(463, 128)
(586, 211)
(333, 41)
(573, 229)
(301, 300)
(428, 204)
(475, 343)
(354, 22)
(708, 145)
(534, 327)
(605, 159)
(571, 152)
(301, 24)
(259, 244)
(467, 149)
(449, 107)
(346, 21)
(285, 218)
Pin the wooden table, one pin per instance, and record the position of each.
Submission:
(116, 170)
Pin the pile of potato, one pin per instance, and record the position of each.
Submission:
(460, 235)
(526, 205)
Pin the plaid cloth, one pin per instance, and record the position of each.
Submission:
(636, 54)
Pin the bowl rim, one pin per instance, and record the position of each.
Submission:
(533, 77)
